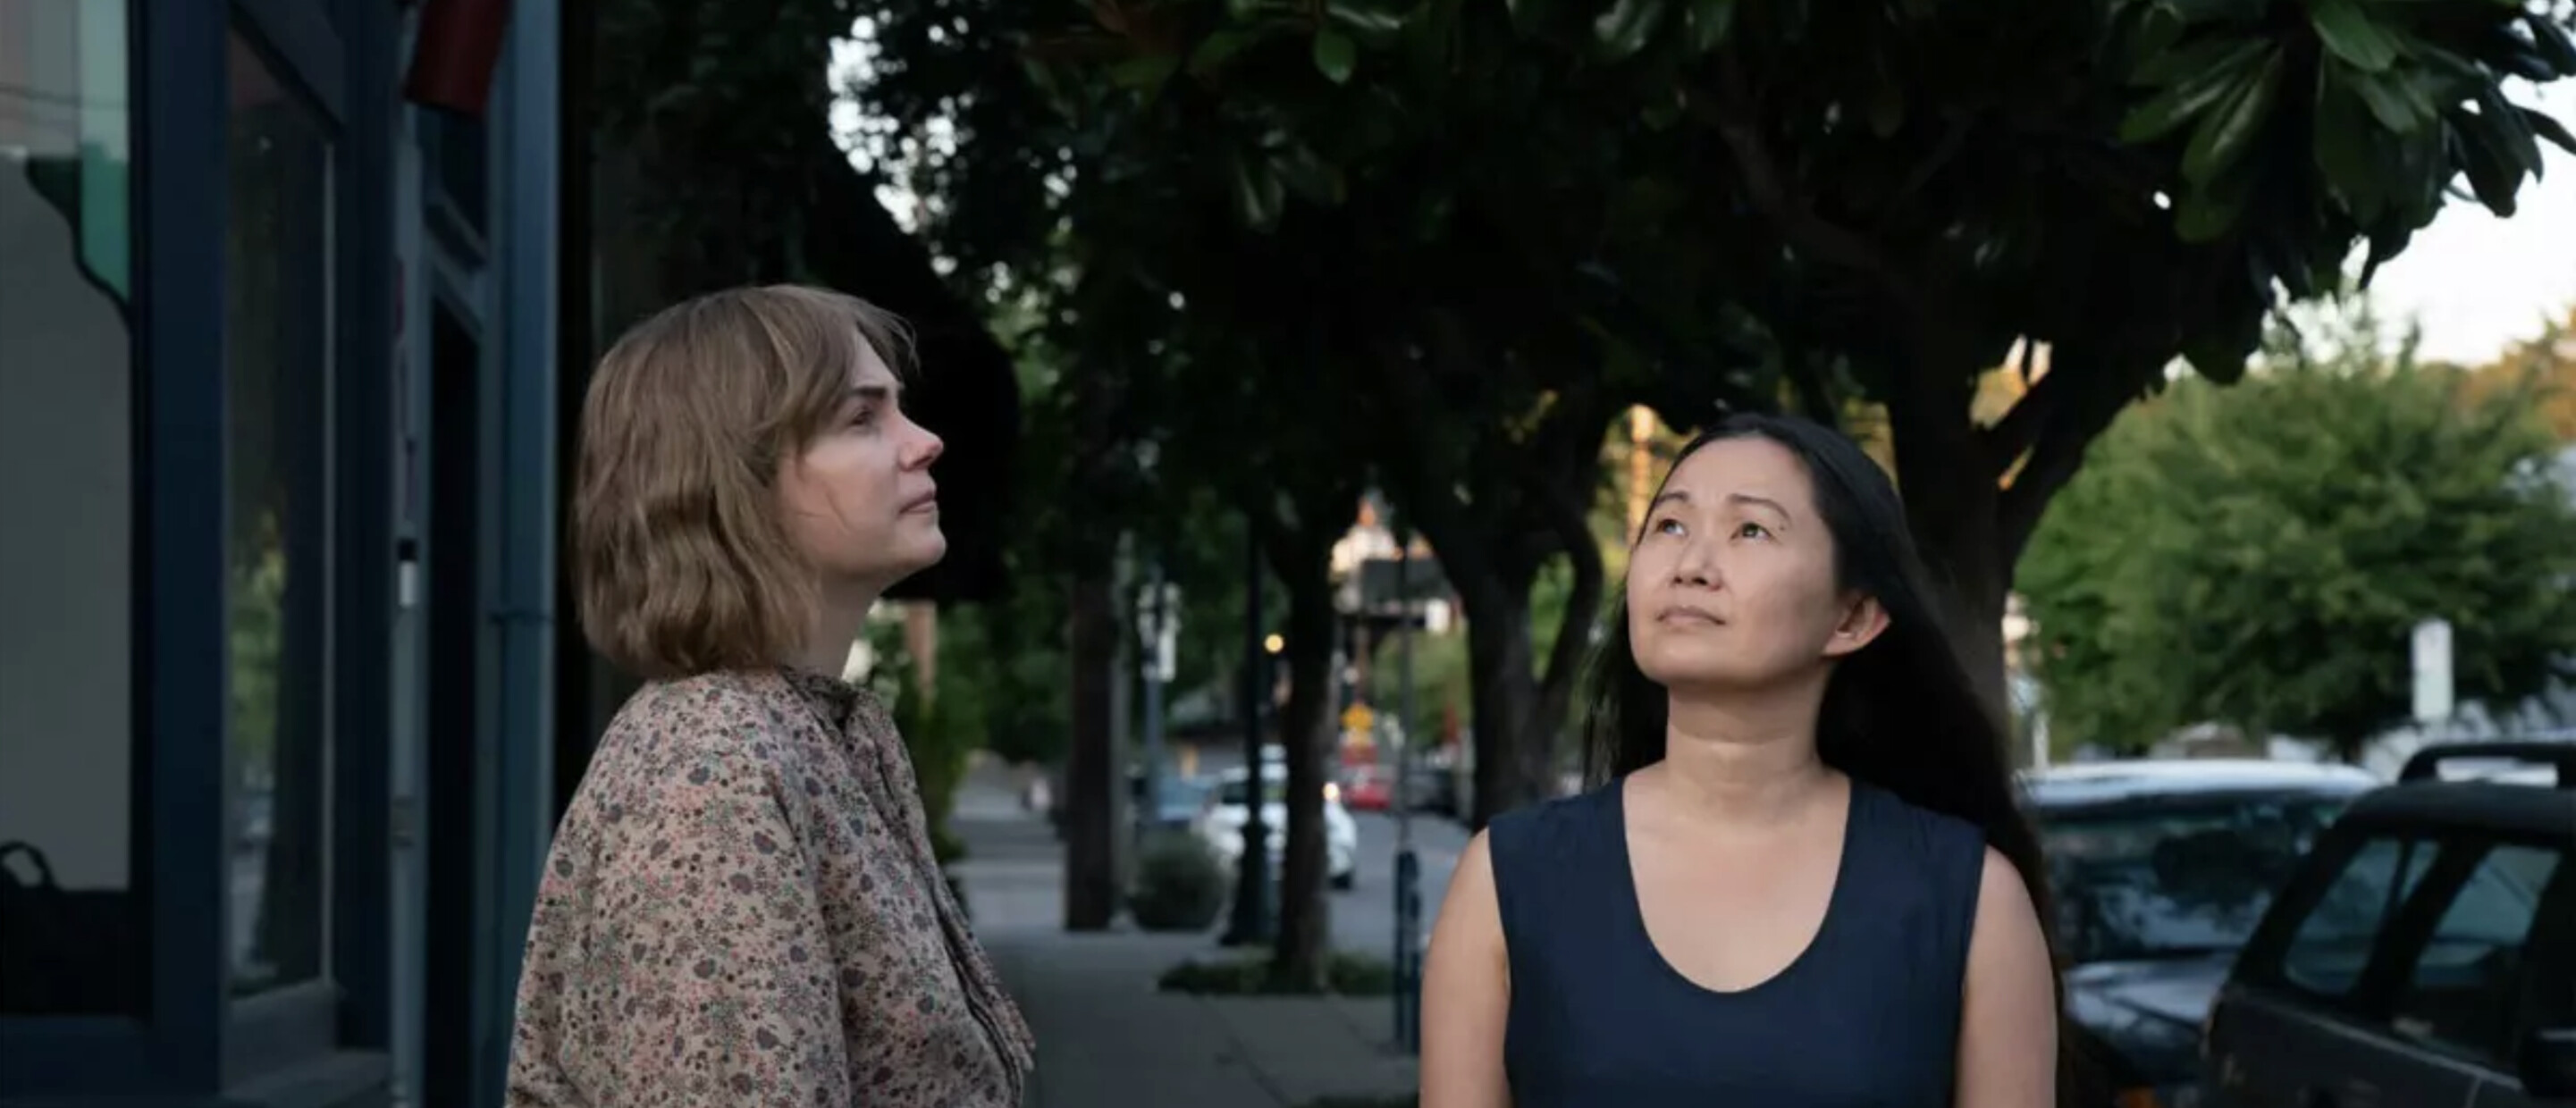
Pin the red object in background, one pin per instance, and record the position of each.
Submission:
(1368, 789)
(1372, 795)
(459, 47)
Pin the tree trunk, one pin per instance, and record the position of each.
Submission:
(1305, 922)
(1975, 585)
(1952, 502)
(1514, 748)
(1090, 877)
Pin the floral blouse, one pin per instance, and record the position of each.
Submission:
(741, 908)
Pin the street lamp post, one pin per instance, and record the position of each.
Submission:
(1408, 866)
(1161, 626)
(1251, 923)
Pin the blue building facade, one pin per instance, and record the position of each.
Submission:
(278, 464)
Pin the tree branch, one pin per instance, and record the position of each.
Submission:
(1565, 517)
(2012, 436)
(1766, 187)
(2101, 384)
(1425, 489)
(1815, 394)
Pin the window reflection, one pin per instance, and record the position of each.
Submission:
(2333, 944)
(277, 326)
(73, 898)
(2177, 881)
(2474, 977)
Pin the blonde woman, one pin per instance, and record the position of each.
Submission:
(741, 907)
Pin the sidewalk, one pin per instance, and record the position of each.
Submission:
(1106, 1038)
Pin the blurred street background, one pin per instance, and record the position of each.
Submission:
(1305, 367)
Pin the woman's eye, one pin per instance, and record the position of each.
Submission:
(1668, 526)
(1751, 530)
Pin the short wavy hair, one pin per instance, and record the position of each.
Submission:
(680, 562)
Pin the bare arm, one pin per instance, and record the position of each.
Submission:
(684, 964)
(2008, 1024)
(1466, 992)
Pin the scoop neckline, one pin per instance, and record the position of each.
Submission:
(1836, 906)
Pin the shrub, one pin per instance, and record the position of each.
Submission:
(1345, 974)
(1179, 885)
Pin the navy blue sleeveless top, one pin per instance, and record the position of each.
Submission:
(1867, 1015)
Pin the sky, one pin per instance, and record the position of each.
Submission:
(2475, 283)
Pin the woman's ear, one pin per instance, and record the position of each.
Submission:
(1863, 619)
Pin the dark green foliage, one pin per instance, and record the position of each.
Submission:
(2256, 556)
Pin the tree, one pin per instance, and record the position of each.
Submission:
(1889, 209)
(1450, 213)
(2257, 556)
(2541, 371)
(2144, 181)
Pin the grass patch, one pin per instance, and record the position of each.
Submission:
(1345, 974)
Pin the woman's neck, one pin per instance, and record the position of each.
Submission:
(836, 627)
(1739, 761)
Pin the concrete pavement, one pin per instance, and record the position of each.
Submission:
(1106, 1037)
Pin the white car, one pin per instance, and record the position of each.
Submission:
(1220, 823)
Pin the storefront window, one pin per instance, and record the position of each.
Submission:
(73, 894)
(277, 323)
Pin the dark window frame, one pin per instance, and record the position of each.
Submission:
(2473, 849)
(317, 1041)
(2368, 1008)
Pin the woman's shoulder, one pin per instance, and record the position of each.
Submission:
(1551, 830)
(708, 729)
(1891, 814)
(1944, 853)
(694, 711)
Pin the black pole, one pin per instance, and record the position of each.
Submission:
(1408, 864)
(1251, 924)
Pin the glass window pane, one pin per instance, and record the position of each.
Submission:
(73, 907)
(2333, 944)
(2179, 880)
(277, 333)
(2470, 982)
(456, 145)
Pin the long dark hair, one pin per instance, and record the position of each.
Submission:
(1899, 713)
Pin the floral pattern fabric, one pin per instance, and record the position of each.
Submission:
(741, 908)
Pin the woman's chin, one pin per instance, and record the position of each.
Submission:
(929, 547)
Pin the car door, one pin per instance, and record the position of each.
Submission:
(2430, 1016)
(2488, 972)
(2309, 987)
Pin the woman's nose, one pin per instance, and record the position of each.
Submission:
(927, 449)
(1695, 568)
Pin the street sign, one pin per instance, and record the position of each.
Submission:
(1159, 624)
(1357, 718)
(2432, 659)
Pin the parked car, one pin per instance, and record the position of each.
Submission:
(1178, 808)
(1369, 786)
(2425, 952)
(1220, 821)
(2161, 869)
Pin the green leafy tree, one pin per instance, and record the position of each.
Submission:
(2257, 556)
(1906, 190)
(2542, 371)
(1564, 194)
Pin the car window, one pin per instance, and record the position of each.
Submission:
(2178, 879)
(2331, 945)
(2468, 984)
